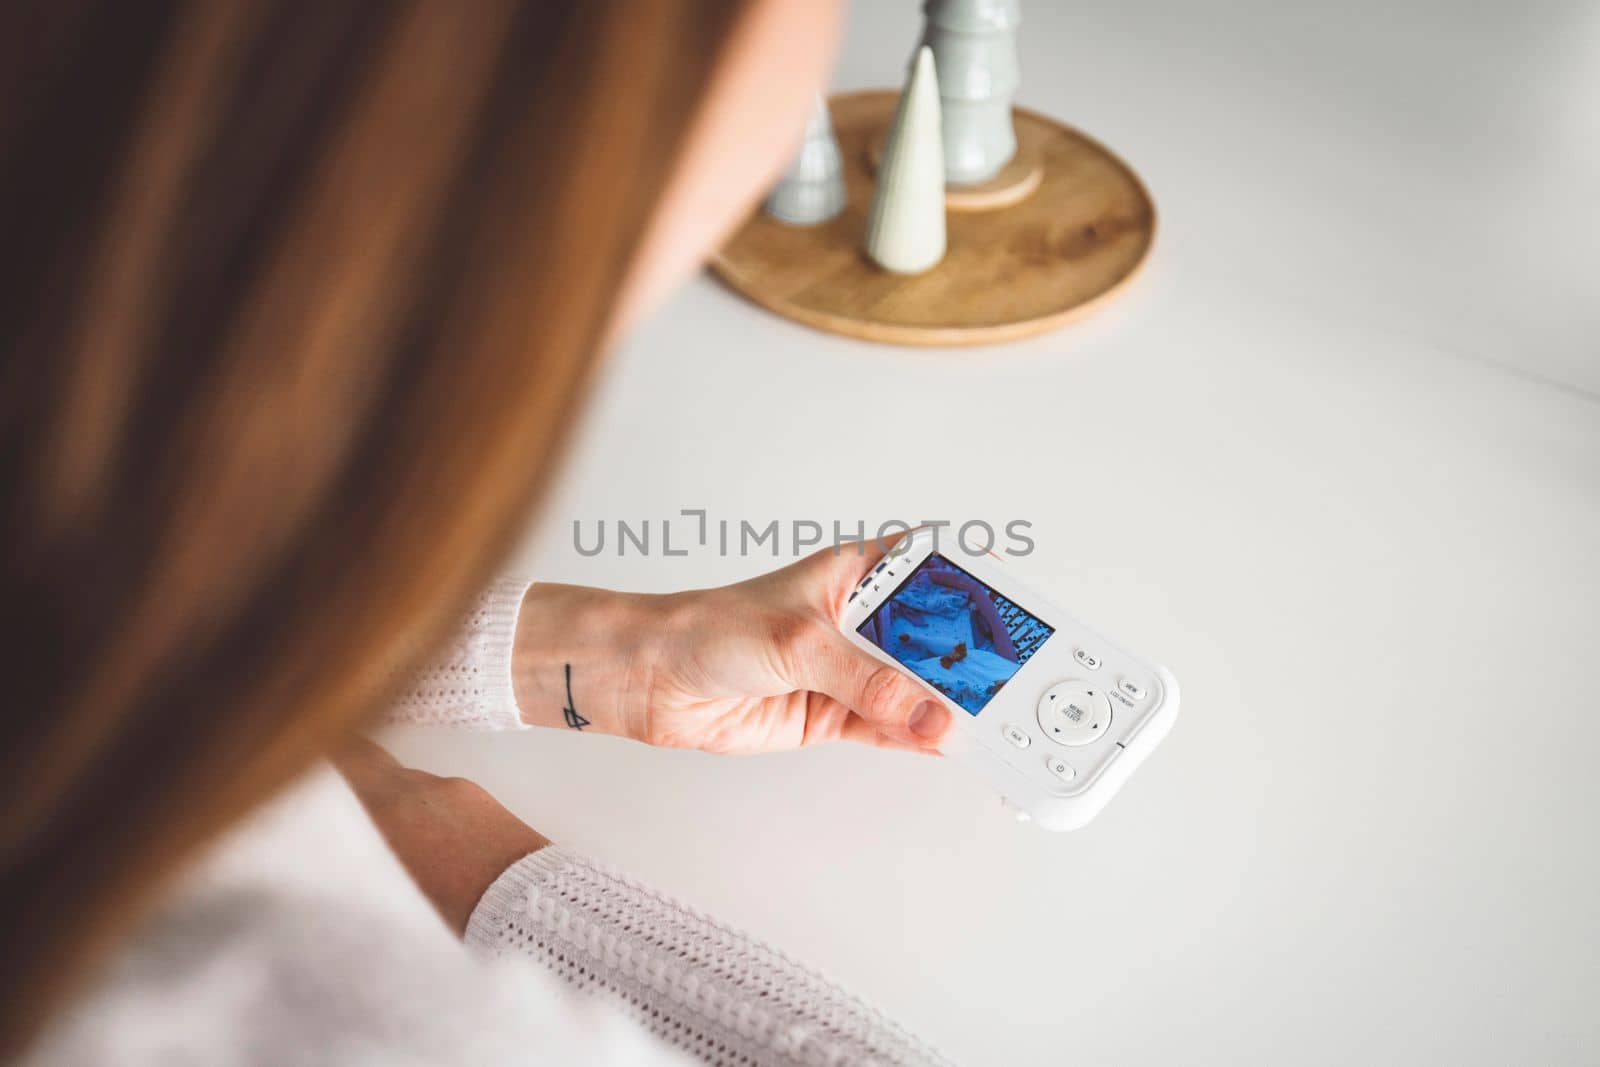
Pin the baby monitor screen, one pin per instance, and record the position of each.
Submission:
(955, 633)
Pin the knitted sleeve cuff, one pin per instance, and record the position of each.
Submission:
(701, 986)
(509, 896)
(469, 682)
(497, 615)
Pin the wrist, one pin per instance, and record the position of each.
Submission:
(452, 837)
(582, 659)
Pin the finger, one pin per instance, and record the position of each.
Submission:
(823, 661)
(861, 732)
(826, 578)
(827, 720)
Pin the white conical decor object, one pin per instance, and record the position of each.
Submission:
(812, 189)
(974, 43)
(905, 231)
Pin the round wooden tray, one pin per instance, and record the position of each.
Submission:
(1011, 272)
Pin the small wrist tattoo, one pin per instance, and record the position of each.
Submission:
(570, 712)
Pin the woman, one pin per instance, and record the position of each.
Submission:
(299, 302)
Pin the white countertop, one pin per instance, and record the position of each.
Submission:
(1334, 459)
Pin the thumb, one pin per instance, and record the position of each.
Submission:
(898, 706)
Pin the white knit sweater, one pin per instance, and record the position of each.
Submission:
(301, 940)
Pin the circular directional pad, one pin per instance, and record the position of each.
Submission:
(1074, 713)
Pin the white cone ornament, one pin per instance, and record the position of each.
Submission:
(812, 189)
(905, 231)
(974, 43)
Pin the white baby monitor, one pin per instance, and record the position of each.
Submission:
(1056, 715)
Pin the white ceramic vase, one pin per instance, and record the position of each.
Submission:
(905, 230)
(812, 189)
(974, 43)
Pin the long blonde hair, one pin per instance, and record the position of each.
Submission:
(298, 303)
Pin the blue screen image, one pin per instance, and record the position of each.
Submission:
(955, 633)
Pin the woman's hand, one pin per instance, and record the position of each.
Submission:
(452, 837)
(753, 667)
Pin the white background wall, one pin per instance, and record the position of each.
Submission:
(1335, 459)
